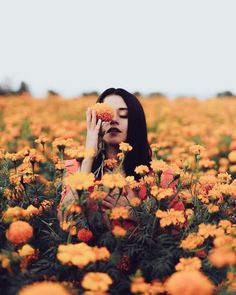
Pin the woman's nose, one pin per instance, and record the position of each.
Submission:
(115, 118)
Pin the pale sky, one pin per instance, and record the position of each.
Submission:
(72, 46)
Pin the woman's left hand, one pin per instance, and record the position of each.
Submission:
(123, 201)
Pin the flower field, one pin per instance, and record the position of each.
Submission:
(186, 248)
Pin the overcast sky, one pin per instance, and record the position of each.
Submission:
(72, 46)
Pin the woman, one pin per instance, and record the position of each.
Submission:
(128, 125)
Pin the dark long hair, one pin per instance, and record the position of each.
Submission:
(136, 134)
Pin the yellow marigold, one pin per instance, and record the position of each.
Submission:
(155, 147)
(119, 231)
(119, 212)
(110, 163)
(192, 241)
(45, 288)
(225, 224)
(213, 208)
(76, 254)
(164, 193)
(224, 178)
(141, 169)
(139, 285)
(42, 139)
(154, 191)
(19, 232)
(170, 217)
(31, 210)
(209, 230)
(132, 182)
(232, 156)
(135, 202)
(149, 180)
(13, 213)
(61, 143)
(125, 147)
(80, 180)
(26, 250)
(221, 257)
(113, 180)
(104, 111)
(192, 263)
(79, 152)
(189, 283)
(159, 165)
(196, 149)
(98, 195)
(101, 253)
(189, 213)
(96, 281)
(120, 156)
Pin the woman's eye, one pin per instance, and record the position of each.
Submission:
(123, 114)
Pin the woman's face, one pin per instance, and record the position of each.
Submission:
(115, 131)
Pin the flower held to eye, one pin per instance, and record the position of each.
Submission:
(103, 111)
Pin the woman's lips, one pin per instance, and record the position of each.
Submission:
(113, 129)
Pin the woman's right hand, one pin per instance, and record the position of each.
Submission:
(93, 128)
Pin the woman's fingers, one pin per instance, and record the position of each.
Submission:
(99, 123)
(94, 119)
(88, 117)
(110, 200)
(107, 204)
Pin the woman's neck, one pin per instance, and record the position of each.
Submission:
(112, 151)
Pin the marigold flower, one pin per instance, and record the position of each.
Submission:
(213, 208)
(113, 180)
(197, 284)
(125, 147)
(42, 139)
(26, 250)
(141, 169)
(196, 149)
(76, 254)
(96, 281)
(13, 213)
(19, 232)
(98, 195)
(101, 253)
(31, 210)
(104, 111)
(159, 165)
(110, 163)
(139, 285)
(221, 257)
(170, 217)
(191, 263)
(224, 223)
(132, 183)
(80, 180)
(84, 235)
(119, 231)
(119, 212)
(232, 156)
(45, 288)
(209, 230)
(192, 241)
(164, 193)
(135, 202)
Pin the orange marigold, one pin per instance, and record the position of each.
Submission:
(104, 111)
(189, 283)
(119, 212)
(191, 263)
(45, 288)
(84, 235)
(170, 216)
(96, 281)
(119, 231)
(80, 180)
(141, 169)
(19, 232)
(113, 180)
(125, 147)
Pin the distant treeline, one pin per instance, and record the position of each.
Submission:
(24, 88)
